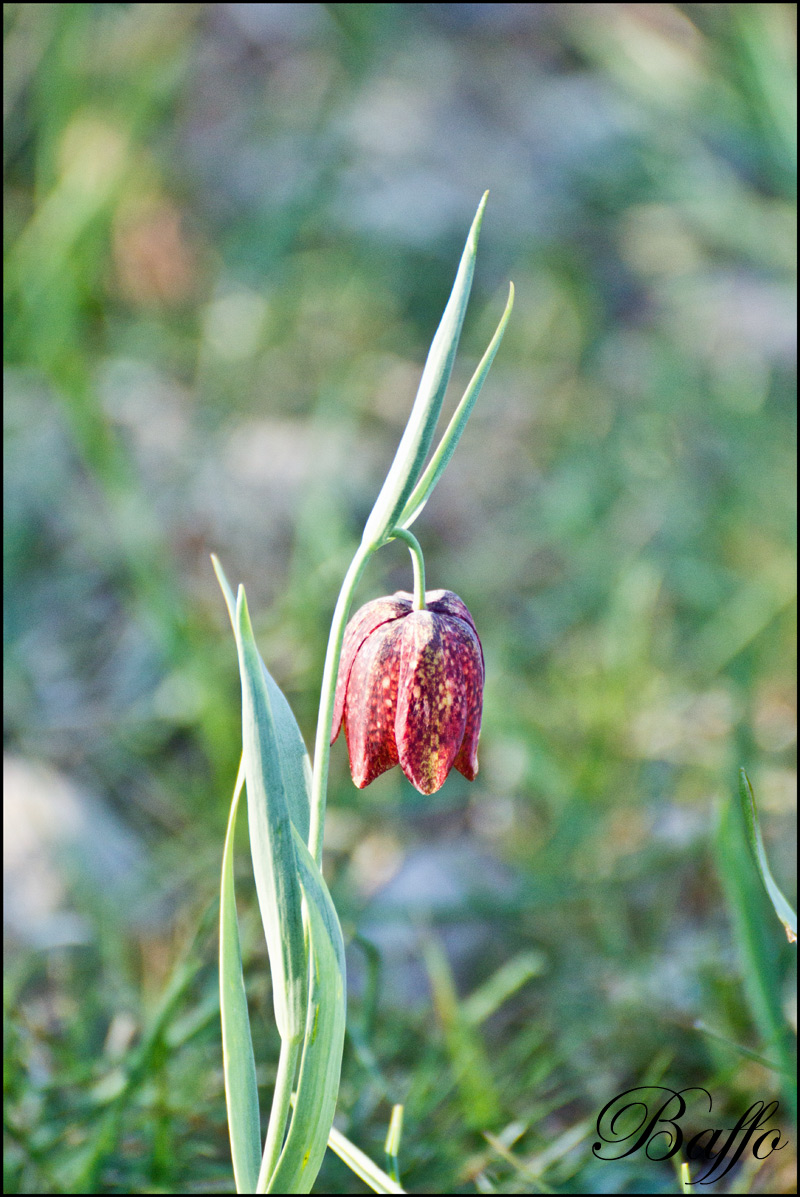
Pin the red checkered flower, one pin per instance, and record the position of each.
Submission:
(410, 690)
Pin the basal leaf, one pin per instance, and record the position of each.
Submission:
(321, 1060)
(294, 758)
(272, 843)
(241, 1090)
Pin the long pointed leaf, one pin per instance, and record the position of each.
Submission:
(230, 601)
(446, 447)
(321, 1061)
(294, 758)
(418, 436)
(780, 905)
(271, 840)
(238, 1063)
(378, 1180)
(760, 966)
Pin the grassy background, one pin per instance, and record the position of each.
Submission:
(229, 233)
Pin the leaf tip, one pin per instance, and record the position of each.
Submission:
(476, 224)
(242, 613)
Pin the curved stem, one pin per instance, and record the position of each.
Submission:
(279, 1114)
(322, 745)
(419, 564)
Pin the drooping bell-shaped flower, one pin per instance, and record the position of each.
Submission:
(410, 690)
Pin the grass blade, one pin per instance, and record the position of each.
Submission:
(782, 908)
(503, 984)
(238, 1063)
(446, 447)
(361, 1164)
(759, 949)
(392, 1144)
(468, 1059)
(739, 1049)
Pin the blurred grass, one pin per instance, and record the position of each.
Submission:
(229, 232)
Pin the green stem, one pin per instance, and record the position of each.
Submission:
(419, 564)
(279, 1114)
(322, 746)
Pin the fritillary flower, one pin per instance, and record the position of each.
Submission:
(410, 690)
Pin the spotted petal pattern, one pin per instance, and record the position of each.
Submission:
(410, 690)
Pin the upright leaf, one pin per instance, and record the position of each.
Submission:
(272, 843)
(321, 1060)
(294, 758)
(419, 431)
(780, 905)
(241, 1090)
(446, 447)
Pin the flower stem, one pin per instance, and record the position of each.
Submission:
(287, 1067)
(419, 564)
(322, 745)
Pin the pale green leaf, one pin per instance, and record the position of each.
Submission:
(782, 908)
(392, 1144)
(503, 984)
(361, 1164)
(321, 1060)
(446, 447)
(294, 759)
(417, 438)
(272, 843)
(241, 1090)
(230, 601)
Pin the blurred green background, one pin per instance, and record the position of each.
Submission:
(229, 233)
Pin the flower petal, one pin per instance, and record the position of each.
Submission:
(444, 602)
(363, 624)
(472, 675)
(370, 704)
(431, 703)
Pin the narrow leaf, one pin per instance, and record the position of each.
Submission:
(238, 1063)
(392, 1144)
(782, 908)
(271, 839)
(295, 763)
(361, 1164)
(294, 759)
(416, 440)
(746, 1052)
(760, 965)
(686, 1181)
(503, 984)
(446, 447)
(321, 1061)
(469, 1061)
(230, 601)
